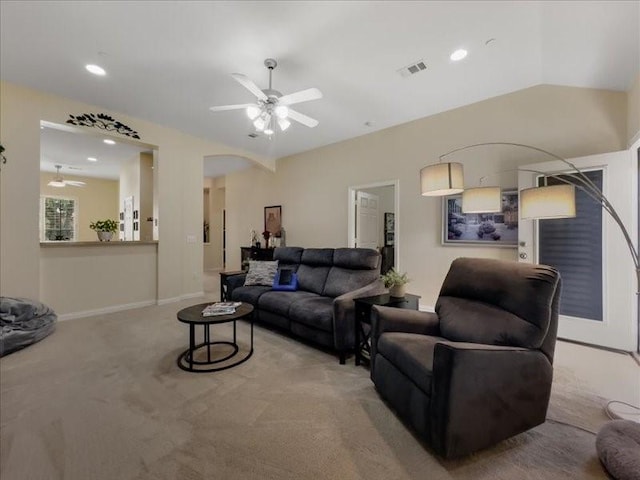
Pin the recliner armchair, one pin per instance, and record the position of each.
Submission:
(479, 369)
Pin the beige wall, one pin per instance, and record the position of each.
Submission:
(179, 174)
(633, 112)
(312, 187)
(118, 276)
(97, 200)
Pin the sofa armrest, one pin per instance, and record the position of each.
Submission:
(233, 282)
(344, 313)
(482, 394)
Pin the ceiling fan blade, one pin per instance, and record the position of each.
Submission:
(249, 85)
(302, 118)
(301, 96)
(74, 183)
(222, 108)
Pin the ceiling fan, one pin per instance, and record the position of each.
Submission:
(60, 182)
(272, 107)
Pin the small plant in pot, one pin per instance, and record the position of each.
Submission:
(104, 228)
(395, 282)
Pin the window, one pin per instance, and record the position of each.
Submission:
(58, 218)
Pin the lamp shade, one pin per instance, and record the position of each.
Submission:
(441, 179)
(554, 201)
(482, 200)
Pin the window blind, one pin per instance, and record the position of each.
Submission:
(574, 247)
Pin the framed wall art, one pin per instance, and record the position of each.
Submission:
(488, 229)
(273, 220)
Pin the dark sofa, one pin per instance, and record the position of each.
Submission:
(322, 309)
(479, 369)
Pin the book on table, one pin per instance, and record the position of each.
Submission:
(220, 308)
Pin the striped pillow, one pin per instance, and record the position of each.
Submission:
(261, 273)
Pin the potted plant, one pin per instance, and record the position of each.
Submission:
(395, 282)
(104, 228)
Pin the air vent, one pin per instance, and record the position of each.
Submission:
(412, 69)
(70, 167)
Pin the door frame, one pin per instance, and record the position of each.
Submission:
(351, 208)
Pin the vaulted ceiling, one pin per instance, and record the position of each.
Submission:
(168, 62)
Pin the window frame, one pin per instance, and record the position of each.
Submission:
(76, 210)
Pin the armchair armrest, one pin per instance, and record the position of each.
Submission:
(482, 394)
(390, 319)
(344, 313)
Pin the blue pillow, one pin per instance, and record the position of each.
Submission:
(285, 280)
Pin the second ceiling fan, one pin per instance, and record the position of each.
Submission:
(272, 108)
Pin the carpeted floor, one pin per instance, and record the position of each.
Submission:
(102, 398)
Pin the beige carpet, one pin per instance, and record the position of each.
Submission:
(102, 398)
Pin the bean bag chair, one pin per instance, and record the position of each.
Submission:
(618, 446)
(23, 322)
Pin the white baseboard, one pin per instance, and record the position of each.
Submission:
(426, 308)
(102, 311)
(186, 296)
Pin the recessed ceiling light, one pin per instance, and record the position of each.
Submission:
(92, 159)
(109, 141)
(458, 54)
(95, 69)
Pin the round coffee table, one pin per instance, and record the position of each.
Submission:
(193, 316)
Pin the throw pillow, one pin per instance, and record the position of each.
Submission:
(285, 280)
(261, 273)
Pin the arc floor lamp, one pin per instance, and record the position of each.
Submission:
(543, 202)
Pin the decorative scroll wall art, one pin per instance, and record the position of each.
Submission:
(103, 122)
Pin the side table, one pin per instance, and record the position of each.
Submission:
(363, 317)
(223, 283)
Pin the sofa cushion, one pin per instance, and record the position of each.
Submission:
(317, 257)
(312, 278)
(280, 302)
(497, 302)
(313, 311)
(412, 354)
(261, 273)
(248, 294)
(341, 280)
(357, 258)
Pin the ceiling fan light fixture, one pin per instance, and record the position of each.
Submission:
(284, 123)
(253, 112)
(259, 123)
(282, 111)
(56, 183)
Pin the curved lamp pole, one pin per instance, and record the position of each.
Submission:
(582, 182)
